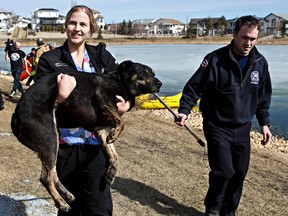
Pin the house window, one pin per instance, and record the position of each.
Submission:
(273, 22)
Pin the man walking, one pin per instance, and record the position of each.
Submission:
(17, 58)
(234, 84)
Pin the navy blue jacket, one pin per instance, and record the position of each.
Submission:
(229, 98)
(60, 60)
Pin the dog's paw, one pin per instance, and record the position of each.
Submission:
(110, 174)
(112, 136)
(62, 206)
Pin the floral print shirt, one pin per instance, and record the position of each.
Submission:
(79, 136)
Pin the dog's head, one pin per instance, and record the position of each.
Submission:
(139, 78)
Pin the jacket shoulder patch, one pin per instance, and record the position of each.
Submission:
(204, 63)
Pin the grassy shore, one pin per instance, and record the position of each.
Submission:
(122, 39)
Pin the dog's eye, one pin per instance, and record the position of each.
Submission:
(145, 73)
(148, 72)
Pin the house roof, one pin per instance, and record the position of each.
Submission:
(283, 15)
(95, 11)
(169, 21)
(196, 20)
(46, 9)
(144, 21)
(2, 10)
(233, 20)
(280, 15)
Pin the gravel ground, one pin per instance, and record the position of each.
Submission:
(26, 205)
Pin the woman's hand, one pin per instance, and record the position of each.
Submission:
(66, 85)
(122, 105)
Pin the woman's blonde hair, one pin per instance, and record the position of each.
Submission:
(88, 11)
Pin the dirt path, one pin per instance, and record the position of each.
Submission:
(162, 171)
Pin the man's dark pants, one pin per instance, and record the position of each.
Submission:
(16, 84)
(229, 156)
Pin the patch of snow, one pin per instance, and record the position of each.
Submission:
(25, 205)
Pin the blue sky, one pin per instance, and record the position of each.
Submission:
(182, 10)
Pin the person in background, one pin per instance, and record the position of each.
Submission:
(1, 101)
(52, 45)
(30, 57)
(42, 47)
(29, 63)
(234, 84)
(17, 58)
(81, 162)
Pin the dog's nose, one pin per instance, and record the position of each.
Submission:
(158, 83)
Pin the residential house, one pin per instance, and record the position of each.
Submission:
(99, 19)
(273, 24)
(231, 25)
(165, 26)
(207, 26)
(198, 25)
(46, 16)
(5, 19)
(51, 17)
(20, 22)
(144, 26)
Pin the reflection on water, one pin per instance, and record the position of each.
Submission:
(174, 64)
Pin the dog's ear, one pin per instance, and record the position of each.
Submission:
(124, 65)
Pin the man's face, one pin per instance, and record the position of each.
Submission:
(17, 45)
(245, 39)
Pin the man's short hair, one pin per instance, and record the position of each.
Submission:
(246, 21)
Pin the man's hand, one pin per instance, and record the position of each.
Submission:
(181, 120)
(267, 135)
(66, 85)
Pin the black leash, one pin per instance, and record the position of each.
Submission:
(176, 116)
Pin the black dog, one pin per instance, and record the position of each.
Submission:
(92, 105)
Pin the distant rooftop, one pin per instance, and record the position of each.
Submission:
(47, 9)
(2, 10)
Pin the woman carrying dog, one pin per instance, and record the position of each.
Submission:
(81, 163)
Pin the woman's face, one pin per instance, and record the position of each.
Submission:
(78, 28)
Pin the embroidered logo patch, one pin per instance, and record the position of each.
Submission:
(204, 63)
(254, 77)
(60, 64)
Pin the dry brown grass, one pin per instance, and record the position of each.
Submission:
(162, 170)
(120, 39)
